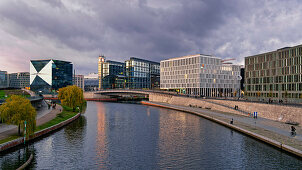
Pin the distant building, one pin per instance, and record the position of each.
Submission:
(200, 75)
(78, 80)
(4, 79)
(134, 74)
(275, 75)
(111, 74)
(91, 82)
(19, 80)
(47, 76)
(142, 73)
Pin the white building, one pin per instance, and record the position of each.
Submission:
(200, 75)
(78, 80)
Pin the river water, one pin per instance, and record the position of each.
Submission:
(131, 136)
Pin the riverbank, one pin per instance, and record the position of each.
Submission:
(44, 127)
(267, 131)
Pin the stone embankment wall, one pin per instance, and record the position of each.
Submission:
(186, 101)
(274, 112)
(281, 113)
(93, 95)
(20, 140)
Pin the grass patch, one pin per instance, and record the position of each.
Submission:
(2, 94)
(9, 139)
(66, 114)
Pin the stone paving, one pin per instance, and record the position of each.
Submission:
(272, 129)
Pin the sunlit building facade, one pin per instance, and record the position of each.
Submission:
(275, 75)
(48, 76)
(200, 75)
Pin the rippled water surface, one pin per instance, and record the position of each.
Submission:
(130, 136)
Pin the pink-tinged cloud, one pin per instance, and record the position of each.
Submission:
(79, 31)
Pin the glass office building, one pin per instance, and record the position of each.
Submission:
(19, 80)
(275, 75)
(200, 75)
(3, 79)
(111, 74)
(142, 73)
(47, 76)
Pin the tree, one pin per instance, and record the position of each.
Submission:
(71, 96)
(16, 110)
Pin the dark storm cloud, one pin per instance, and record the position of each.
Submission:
(159, 29)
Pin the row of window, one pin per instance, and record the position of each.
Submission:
(275, 87)
(273, 64)
(274, 55)
(276, 79)
(199, 85)
(275, 95)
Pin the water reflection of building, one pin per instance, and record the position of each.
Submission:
(101, 132)
(176, 130)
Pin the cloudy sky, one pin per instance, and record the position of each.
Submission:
(80, 30)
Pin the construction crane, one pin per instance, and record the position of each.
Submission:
(228, 59)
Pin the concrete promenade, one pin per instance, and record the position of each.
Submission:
(270, 129)
(43, 115)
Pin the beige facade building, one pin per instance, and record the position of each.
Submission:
(275, 75)
(78, 80)
(200, 75)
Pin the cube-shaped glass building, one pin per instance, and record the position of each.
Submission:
(47, 76)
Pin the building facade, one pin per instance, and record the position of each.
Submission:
(142, 73)
(111, 74)
(275, 75)
(78, 80)
(91, 82)
(48, 76)
(19, 80)
(4, 79)
(200, 75)
(101, 62)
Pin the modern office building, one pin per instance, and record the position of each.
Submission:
(48, 76)
(142, 73)
(4, 79)
(111, 74)
(19, 80)
(200, 75)
(275, 75)
(78, 80)
(91, 82)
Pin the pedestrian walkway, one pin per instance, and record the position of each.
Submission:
(44, 115)
(272, 129)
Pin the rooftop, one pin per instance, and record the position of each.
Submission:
(190, 56)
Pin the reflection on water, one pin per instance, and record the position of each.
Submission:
(129, 136)
(14, 161)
